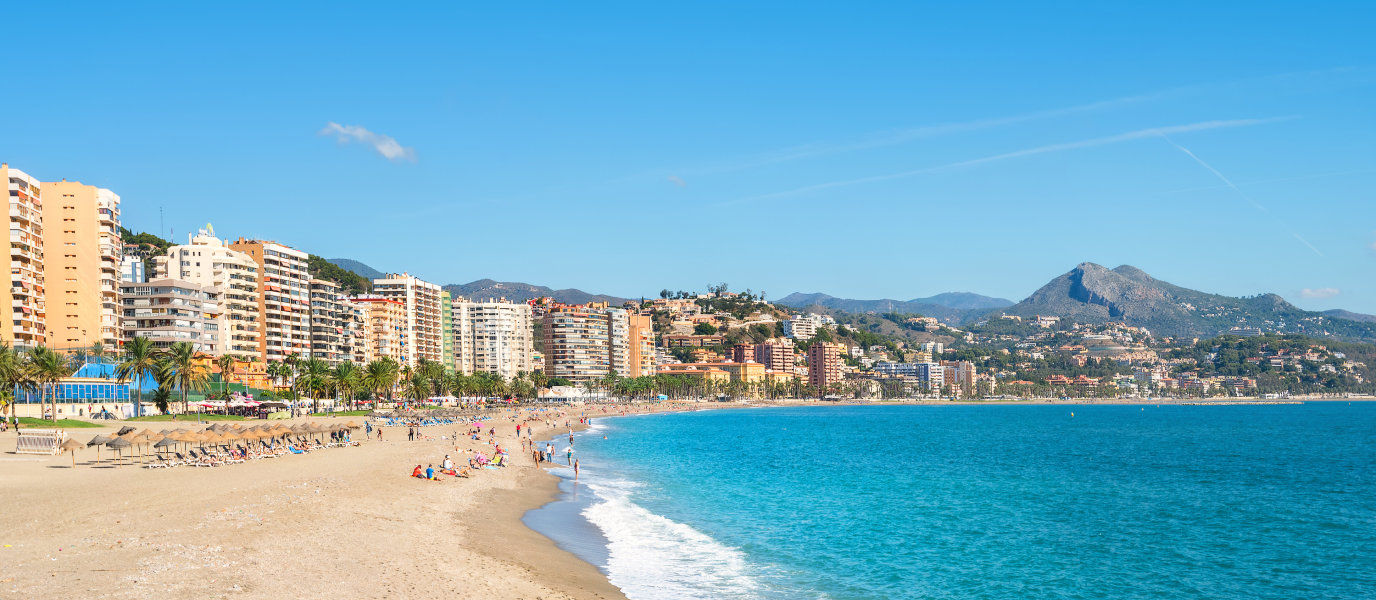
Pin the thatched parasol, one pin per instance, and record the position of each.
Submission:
(119, 444)
(98, 441)
(72, 446)
(140, 441)
(352, 425)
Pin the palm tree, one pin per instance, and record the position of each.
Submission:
(380, 375)
(226, 363)
(539, 379)
(186, 372)
(314, 376)
(47, 367)
(347, 378)
(417, 387)
(139, 359)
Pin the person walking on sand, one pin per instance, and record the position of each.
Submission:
(411, 436)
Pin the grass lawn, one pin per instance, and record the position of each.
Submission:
(60, 424)
(191, 417)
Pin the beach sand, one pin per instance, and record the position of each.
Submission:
(339, 522)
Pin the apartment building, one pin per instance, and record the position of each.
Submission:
(824, 364)
(328, 340)
(577, 344)
(131, 269)
(492, 336)
(802, 328)
(385, 328)
(81, 264)
(284, 298)
(640, 360)
(354, 319)
(167, 311)
(25, 323)
(447, 331)
(776, 355)
(206, 260)
(421, 299)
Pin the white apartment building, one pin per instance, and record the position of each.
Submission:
(353, 318)
(328, 340)
(802, 328)
(233, 323)
(495, 336)
(424, 329)
(284, 298)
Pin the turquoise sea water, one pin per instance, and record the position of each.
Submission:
(979, 502)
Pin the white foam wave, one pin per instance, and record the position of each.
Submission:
(654, 558)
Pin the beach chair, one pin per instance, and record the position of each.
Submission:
(203, 459)
(293, 450)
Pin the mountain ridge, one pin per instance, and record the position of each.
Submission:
(1092, 293)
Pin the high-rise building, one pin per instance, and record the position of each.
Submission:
(777, 355)
(354, 319)
(284, 302)
(824, 364)
(328, 341)
(421, 299)
(207, 261)
(495, 336)
(167, 311)
(641, 341)
(385, 328)
(25, 304)
(81, 261)
(447, 331)
(577, 346)
(743, 353)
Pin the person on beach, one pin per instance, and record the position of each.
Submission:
(549, 448)
(569, 458)
(379, 434)
(417, 472)
(412, 435)
(575, 470)
(430, 472)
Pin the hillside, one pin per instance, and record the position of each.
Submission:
(520, 292)
(350, 282)
(361, 269)
(1091, 293)
(1339, 313)
(947, 314)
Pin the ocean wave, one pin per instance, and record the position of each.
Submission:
(654, 558)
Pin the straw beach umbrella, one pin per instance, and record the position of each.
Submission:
(119, 444)
(98, 441)
(72, 446)
(140, 441)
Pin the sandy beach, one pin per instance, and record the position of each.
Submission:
(337, 522)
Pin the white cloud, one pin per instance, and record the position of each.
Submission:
(384, 144)
(1372, 246)
(1320, 293)
(677, 181)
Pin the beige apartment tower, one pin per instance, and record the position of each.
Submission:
(82, 255)
(284, 308)
(424, 327)
(495, 336)
(232, 323)
(24, 299)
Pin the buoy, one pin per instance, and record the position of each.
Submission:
(1072, 414)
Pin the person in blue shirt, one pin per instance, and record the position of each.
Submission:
(430, 472)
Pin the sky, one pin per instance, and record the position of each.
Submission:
(864, 150)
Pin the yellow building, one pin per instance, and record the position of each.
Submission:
(82, 254)
(746, 372)
(24, 298)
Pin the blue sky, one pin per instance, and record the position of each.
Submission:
(863, 150)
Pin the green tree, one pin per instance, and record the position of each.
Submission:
(140, 358)
(347, 379)
(187, 373)
(46, 367)
(704, 329)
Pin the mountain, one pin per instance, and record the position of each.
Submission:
(964, 300)
(1339, 313)
(948, 314)
(363, 270)
(520, 292)
(1091, 293)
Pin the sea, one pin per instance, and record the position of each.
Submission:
(1003, 501)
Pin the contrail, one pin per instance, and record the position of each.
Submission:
(1220, 175)
(1122, 137)
(1236, 189)
(1261, 181)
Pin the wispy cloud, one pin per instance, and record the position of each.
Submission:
(1238, 190)
(1113, 139)
(677, 181)
(1320, 293)
(385, 145)
(1259, 182)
